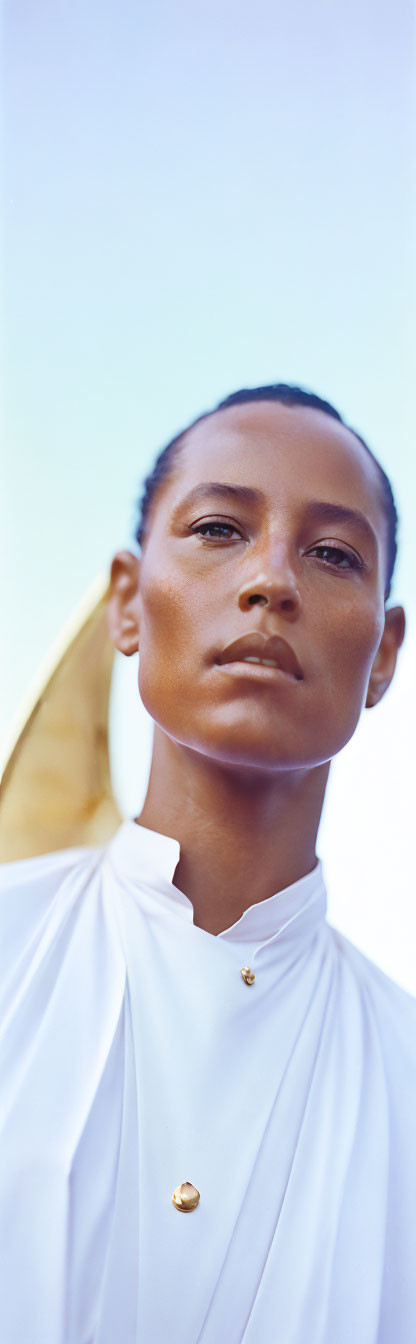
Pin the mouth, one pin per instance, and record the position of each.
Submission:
(257, 650)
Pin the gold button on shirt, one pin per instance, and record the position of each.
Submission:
(186, 1197)
(247, 975)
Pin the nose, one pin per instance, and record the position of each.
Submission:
(272, 584)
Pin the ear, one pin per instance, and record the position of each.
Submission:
(122, 610)
(383, 669)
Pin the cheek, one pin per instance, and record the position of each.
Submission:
(351, 637)
(168, 646)
(174, 608)
(159, 608)
(355, 633)
(344, 645)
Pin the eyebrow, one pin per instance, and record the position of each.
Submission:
(339, 513)
(315, 510)
(243, 494)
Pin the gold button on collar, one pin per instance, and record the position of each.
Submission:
(248, 975)
(186, 1197)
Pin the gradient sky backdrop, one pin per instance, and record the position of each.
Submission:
(200, 197)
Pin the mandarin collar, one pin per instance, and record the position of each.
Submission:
(147, 858)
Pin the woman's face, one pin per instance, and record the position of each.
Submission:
(270, 527)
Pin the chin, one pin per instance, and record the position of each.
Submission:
(249, 751)
(283, 744)
(258, 742)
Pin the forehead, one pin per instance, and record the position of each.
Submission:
(290, 453)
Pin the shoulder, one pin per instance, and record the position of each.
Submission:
(391, 1008)
(24, 874)
(31, 880)
(29, 890)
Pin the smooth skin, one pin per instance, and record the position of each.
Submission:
(242, 753)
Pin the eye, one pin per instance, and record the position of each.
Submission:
(336, 556)
(216, 530)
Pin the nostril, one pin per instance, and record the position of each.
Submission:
(257, 598)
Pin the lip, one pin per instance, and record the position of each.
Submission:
(257, 645)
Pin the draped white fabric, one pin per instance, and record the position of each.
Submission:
(134, 1057)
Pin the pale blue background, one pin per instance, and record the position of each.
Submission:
(201, 196)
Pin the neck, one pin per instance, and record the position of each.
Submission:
(243, 835)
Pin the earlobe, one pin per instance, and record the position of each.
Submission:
(122, 608)
(384, 665)
(375, 693)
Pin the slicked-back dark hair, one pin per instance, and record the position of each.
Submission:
(287, 395)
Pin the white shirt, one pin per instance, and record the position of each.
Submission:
(135, 1058)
